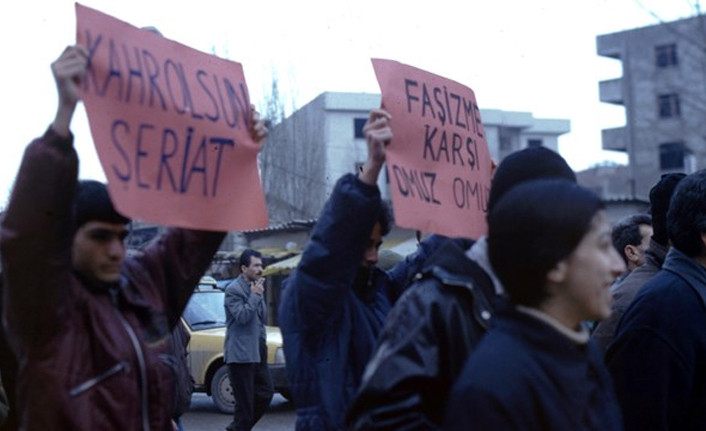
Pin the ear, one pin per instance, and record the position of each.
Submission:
(632, 253)
(558, 273)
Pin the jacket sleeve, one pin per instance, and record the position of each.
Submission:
(36, 239)
(421, 350)
(652, 381)
(331, 259)
(175, 262)
(242, 308)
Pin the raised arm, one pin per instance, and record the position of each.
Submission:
(331, 259)
(37, 230)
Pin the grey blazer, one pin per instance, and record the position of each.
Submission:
(245, 323)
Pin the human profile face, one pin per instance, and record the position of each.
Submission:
(253, 271)
(583, 292)
(370, 258)
(99, 250)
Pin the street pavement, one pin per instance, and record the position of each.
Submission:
(204, 416)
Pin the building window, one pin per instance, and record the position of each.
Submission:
(358, 124)
(533, 143)
(668, 105)
(672, 155)
(666, 55)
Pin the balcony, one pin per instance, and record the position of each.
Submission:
(614, 139)
(610, 45)
(611, 91)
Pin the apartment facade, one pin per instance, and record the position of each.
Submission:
(663, 90)
(308, 151)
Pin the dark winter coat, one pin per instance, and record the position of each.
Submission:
(658, 358)
(426, 340)
(329, 325)
(526, 375)
(89, 359)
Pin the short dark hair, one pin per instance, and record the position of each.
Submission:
(246, 257)
(686, 218)
(626, 231)
(93, 203)
(533, 227)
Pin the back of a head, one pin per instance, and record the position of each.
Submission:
(660, 196)
(531, 163)
(532, 228)
(686, 218)
(93, 203)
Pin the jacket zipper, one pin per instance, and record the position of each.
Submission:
(88, 384)
(140, 361)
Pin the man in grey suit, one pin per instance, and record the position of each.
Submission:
(245, 346)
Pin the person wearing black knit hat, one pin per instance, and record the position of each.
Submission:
(443, 315)
(537, 367)
(624, 291)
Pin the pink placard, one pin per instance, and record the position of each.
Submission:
(438, 161)
(171, 127)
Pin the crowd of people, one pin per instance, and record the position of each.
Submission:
(554, 320)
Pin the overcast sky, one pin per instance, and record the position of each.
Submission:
(519, 55)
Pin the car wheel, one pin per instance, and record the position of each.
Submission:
(222, 392)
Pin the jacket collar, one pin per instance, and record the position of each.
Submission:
(479, 254)
(688, 269)
(450, 264)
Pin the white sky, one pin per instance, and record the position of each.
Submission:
(519, 55)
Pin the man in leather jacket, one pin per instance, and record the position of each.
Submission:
(436, 323)
(90, 327)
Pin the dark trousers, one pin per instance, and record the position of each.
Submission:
(252, 389)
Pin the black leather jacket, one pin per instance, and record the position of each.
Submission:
(427, 337)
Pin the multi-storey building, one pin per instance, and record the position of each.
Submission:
(663, 90)
(308, 151)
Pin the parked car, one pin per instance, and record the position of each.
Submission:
(205, 319)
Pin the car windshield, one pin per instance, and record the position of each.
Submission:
(205, 310)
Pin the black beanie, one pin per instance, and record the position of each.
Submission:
(660, 195)
(92, 203)
(532, 228)
(529, 164)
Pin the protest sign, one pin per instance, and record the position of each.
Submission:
(171, 128)
(438, 161)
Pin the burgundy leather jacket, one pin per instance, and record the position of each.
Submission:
(90, 358)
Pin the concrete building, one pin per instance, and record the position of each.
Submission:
(308, 151)
(663, 90)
